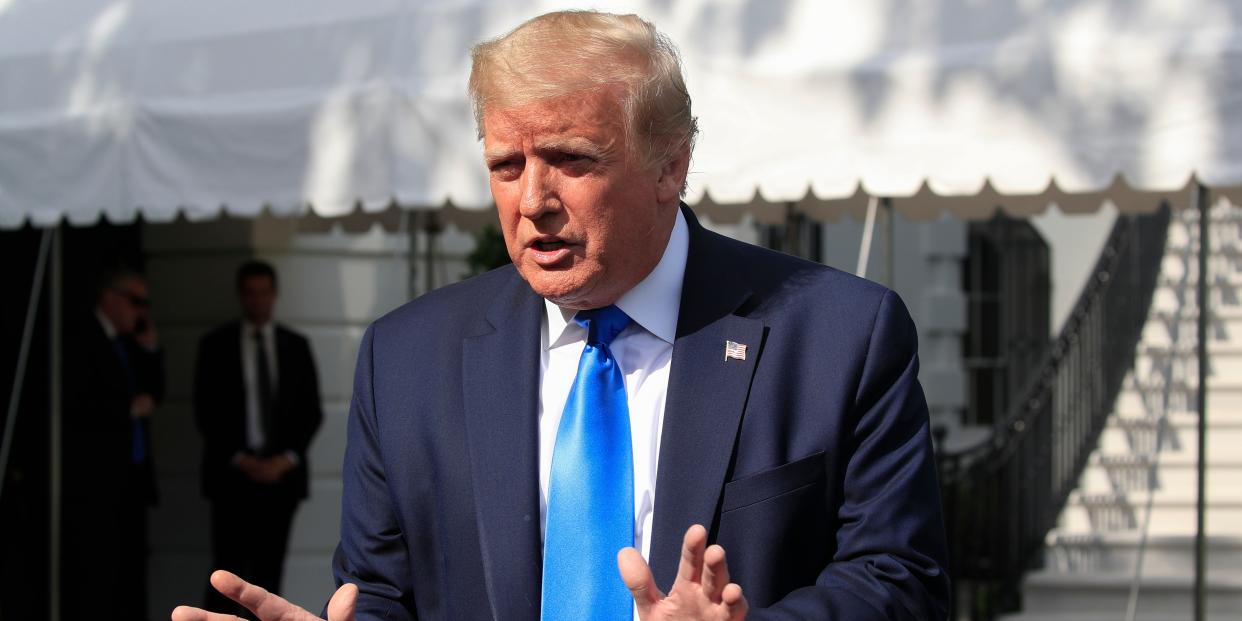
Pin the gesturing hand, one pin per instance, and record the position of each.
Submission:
(267, 606)
(702, 591)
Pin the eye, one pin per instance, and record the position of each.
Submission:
(505, 169)
(574, 163)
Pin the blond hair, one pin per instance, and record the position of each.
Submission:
(561, 53)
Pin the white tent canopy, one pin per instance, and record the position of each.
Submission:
(161, 107)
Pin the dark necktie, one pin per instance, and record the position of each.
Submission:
(137, 432)
(263, 375)
(591, 488)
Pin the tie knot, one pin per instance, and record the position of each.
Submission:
(602, 324)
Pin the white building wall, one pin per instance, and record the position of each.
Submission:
(1075, 240)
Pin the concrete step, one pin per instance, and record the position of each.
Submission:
(1174, 298)
(1217, 212)
(1136, 498)
(1170, 555)
(1223, 232)
(1181, 362)
(1107, 593)
(1180, 275)
(1224, 398)
(1179, 433)
(1180, 247)
(1173, 512)
(1166, 328)
(1183, 243)
(1186, 350)
(1139, 473)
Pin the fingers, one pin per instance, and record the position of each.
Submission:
(341, 606)
(734, 602)
(715, 573)
(188, 613)
(255, 598)
(690, 570)
(238, 590)
(638, 579)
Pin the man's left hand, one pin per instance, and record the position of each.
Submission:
(702, 591)
(266, 470)
(273, 469)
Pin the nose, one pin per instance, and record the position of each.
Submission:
(538, 190)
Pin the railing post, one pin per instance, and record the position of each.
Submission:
(55, 311)
(1201, 201)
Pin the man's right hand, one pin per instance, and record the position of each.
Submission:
(267, 606)
(142, 405)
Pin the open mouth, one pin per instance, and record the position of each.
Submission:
(549, 245)
(549, 251)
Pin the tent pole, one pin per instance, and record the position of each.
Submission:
(1201, 201)
(864, 246)
(55, 300)
(890, 235)
(19, 375)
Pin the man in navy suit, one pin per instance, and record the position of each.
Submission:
(773, 404)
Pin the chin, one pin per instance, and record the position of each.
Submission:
(564, 288)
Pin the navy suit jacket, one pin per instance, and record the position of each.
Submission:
(810, 461)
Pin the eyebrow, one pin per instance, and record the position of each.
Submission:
(574, 145)
(584, 146)
(497, 155)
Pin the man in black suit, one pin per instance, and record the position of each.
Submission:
(113, 378)
(256, 402)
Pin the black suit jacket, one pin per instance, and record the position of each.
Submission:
(220, 409)
(98, 427)
(810, 461)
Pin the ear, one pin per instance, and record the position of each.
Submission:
(672, 176)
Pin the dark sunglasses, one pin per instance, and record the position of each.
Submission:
(134, 299)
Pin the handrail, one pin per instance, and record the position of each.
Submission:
(1001, 498)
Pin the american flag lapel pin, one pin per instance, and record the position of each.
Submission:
(735, 351)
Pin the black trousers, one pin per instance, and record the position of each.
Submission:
(104, 551)
(249, 537)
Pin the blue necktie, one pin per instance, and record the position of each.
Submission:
(591, 488)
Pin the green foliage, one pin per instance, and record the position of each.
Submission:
(489, 251)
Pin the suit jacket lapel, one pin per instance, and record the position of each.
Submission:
(501, 382)
(706, 396)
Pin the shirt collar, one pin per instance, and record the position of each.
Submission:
(249, 329)
(654, 302)
(108, 328)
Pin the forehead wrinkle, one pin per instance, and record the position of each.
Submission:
(549, 133)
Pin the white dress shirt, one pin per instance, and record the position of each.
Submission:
(254, 422)
(108, 328)
(644, 353)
